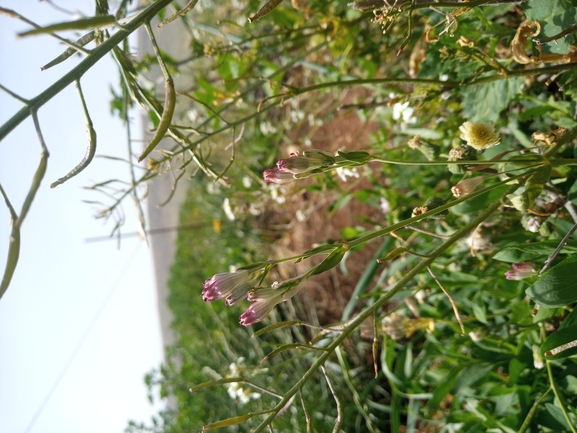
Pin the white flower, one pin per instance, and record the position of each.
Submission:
(479, 135)
(246, 182)
(228, 210)
(344, 173)
(402, 111)
(385, 207)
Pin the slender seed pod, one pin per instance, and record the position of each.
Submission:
(90, 151)
(266, 9)
(189, 6)
(165, 119)
(88, 37)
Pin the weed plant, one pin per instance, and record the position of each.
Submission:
(464, 318)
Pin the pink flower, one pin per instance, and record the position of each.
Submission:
(277, 176)
(299, 164)
(256, 312)
(233, 286)
(264, 300)
(520, 271)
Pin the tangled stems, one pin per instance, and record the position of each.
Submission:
(363, 315)
(96, 54)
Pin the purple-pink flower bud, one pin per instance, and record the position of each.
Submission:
(520, 271)
(256, 312)
(226, 284)
(277, 176)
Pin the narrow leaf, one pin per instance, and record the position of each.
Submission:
(81, 24)
(276, 326)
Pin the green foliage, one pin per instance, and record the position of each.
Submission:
(442, 336)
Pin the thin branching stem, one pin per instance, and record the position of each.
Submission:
(363, 315)
(95, 55)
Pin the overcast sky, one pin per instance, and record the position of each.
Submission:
(78, 325)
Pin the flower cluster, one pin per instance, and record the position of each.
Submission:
(235, 286)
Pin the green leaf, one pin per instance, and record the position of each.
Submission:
(81, 24)
(276, 326)
(321, 249)
(357, 157)
(521, 314)
(444, 387)
(480, 202)
(561, 343)
(554, 17)
(479, 309)
(235, 420)
(330, 262)
(292, 346)
(340, 203)
(533, 252)
(533, 112)
(484, 102)
(570, 320)
(558, 287)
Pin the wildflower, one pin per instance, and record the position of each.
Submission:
(457, 153)
(477, 241)
(479, 135)
(344, 173)
(264, 300)
(476, 335)
(531, 223)
(385, 207)
(466, 186)
(538, 361)
(234, 389)
(228, 210)
(397, 326)
(402, 111)
(310, 160)
(233, 286)
(520, 271)
(419, 210)
(277, 176)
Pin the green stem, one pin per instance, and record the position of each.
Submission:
(446, 84)
(556, 390)
(529, 417)
(447, 162)
(448, 4)
(95, 55)
(363, 315)
(402, 224)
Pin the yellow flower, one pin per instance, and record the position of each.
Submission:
(479, 135)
